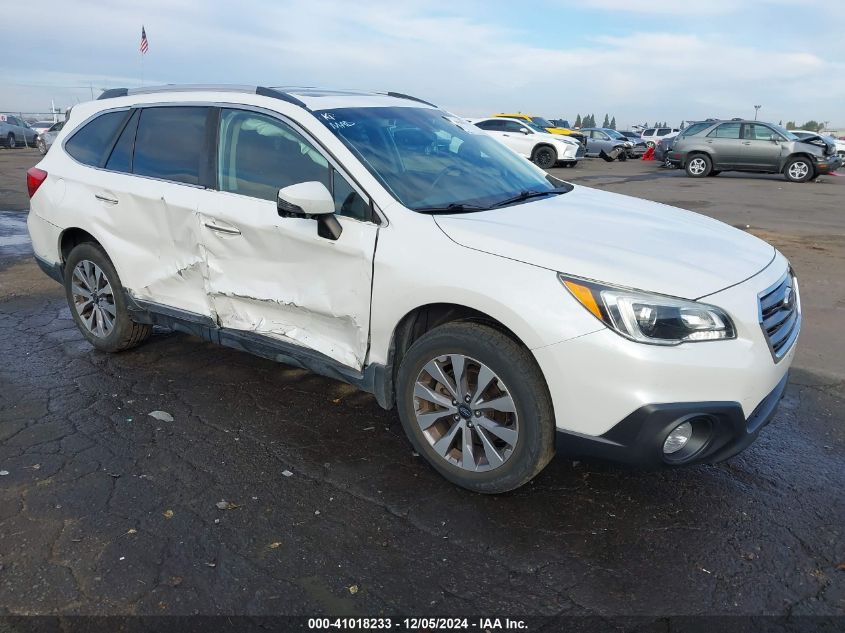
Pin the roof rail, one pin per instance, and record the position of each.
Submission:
(400, 95)
(258, 90)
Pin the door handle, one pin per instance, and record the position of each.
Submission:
(228, 230)
(746, 142)
(710, 142)
(105, 199)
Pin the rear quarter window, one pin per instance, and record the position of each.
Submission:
(90, 144)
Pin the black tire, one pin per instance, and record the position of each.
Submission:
(799, 169)
(511, 362)
(125, 333)
(11, 143)
(570, 163)
(623, 156)
(698, 166)
(42, 146)
(544, 157)
(715, 172)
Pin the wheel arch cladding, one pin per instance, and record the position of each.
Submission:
(422, 319)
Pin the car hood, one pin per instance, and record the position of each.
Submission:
(618, 240)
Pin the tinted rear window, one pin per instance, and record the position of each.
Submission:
(90, 144)
(170, 143)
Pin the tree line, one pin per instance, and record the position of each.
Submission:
(589, 120)
(810, 126)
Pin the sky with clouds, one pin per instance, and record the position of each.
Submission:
(639, 60)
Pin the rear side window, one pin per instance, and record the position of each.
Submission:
(91, 143)
(121, 155)
(726, 130)
(649, 132)
(170, 143)
(663, 131)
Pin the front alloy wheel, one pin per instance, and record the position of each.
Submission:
(798, 170)
(474, 403)
(466, 412)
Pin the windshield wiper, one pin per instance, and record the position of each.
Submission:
(453, 207)
(525, 195)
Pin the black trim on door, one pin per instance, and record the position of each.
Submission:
(208, 169)
(375, 378)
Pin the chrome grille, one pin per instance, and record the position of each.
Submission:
(780, 315)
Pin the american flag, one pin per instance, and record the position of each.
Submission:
(145, 45)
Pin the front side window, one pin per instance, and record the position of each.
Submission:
(726, 130)
(663, 131)
(170, 143)
(758, 132)
(259, 154)
(90, 144)
(451, 162)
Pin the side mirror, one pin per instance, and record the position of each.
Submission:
(310, 200)
(525, 130)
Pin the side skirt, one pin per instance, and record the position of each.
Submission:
(374, 379)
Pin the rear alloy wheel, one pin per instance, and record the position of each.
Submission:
(11, 143)
(42, 146)
(545, 157)
(474, 403)
(97, 300)
(698, 166)
(799, 170)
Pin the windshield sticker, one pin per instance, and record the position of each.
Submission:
(333, 123)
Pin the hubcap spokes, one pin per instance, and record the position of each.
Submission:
(798, 170)
(93, 298)
(465, 412)
(696, 166)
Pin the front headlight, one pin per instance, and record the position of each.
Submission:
(650, 318)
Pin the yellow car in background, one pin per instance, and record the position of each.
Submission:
(546, 125)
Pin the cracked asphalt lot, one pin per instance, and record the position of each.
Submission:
(107, 510)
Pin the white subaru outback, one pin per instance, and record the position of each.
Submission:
(380, 240)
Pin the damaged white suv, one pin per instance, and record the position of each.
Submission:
(379, 240)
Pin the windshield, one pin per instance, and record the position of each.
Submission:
(783, 131)
(538, 120)
(429, 159)
(614, 134)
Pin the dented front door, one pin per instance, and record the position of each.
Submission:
(277, 278)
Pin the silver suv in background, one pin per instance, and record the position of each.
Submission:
(14, 131)
(740, 145)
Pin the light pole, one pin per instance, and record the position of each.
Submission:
(756, 109)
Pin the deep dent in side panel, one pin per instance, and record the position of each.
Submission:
(277, 285)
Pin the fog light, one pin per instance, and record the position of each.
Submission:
(678, 438)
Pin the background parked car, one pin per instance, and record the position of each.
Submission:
(839, 144)
(41, 126)
(45, 139)
(753, 146)
(14, 132)
(652, 135)
(547, 125)
(604, 140)
(661, 150)
(533, 142)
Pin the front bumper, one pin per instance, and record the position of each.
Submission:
(828, 164)
(638, 439)
(600, 382)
